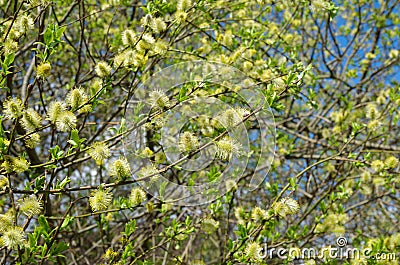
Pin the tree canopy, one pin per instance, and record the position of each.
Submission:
(198, 131)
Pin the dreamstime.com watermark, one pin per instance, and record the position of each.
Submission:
(341, 251)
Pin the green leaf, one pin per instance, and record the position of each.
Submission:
(44, 250)
(60, 32)
(39, 183)
(48, 35)
(230, 244)
(67, 221)
(9, 59)
(182, 93)
(75, 140)
(188, 221)
(65, 182)
(122, 127)
(32, 240)
(293, 184)
(130, 227)
(62, 246)
(73, 143)
(214, 174)
(162, 188)
(43, 223)
(56, 153)
(75, 135)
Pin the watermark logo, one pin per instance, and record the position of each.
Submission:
(196, 129)
(342, 251)
(341, 241)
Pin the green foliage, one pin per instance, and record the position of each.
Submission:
(81, 126)
(75, 140)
